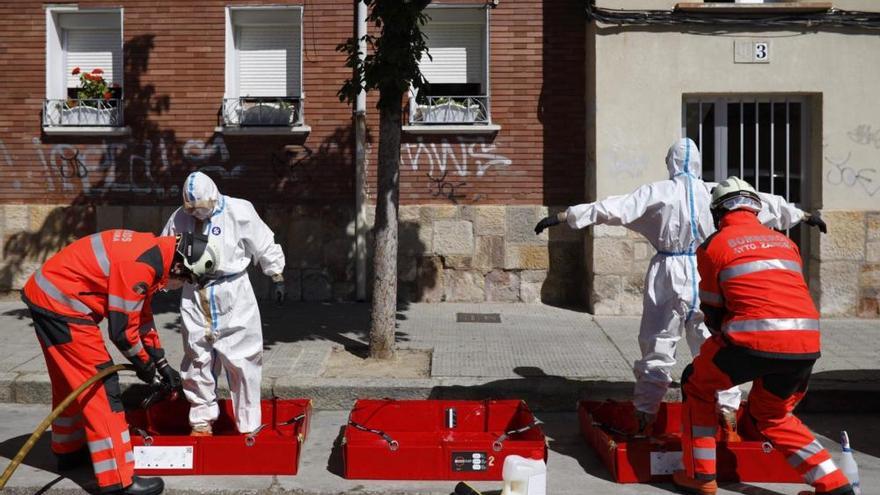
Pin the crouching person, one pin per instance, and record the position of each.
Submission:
(765, 330)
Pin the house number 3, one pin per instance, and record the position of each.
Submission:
(762, 51)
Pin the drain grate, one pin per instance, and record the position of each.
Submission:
(478, 317)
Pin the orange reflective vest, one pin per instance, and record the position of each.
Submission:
(752, 289)
(111, 274)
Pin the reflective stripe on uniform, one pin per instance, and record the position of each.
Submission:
(703, 431)
(126, 437)
(129, 456)
(67, 421)
(100, 254)
(49, 288)
(99, 445)
(68, 437)
(758, 266)
(805, 453)
(135, 349)
(711, 297)
(824, 469)
(704, 454)
(104, 466)
(771, 324)
(126, 305)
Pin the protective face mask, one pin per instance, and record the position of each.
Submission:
(201, 209)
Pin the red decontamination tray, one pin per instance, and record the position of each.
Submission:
(438, 439)
(609, 427)
(162, 444)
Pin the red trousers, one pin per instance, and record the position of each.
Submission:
(74, 352)
(779, 384)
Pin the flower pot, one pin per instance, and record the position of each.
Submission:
(267, 114)
(87, 116)
(449, 112)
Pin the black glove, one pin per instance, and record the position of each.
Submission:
(279, 292)
(169, 376)
(547, 222)
(145, 371)
(815, 220)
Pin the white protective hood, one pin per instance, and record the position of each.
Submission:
(199, 189)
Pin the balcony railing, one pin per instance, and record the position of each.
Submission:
(72, 112)
(449, 110)
(249, 111)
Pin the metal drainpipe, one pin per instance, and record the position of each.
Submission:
(360, 129)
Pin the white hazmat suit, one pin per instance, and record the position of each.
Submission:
(221, 320)
(674, 216)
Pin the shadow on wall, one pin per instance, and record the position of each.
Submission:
(41, 229)
(562, 113)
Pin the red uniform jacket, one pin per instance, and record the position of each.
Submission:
(752, 290)
(111, 274)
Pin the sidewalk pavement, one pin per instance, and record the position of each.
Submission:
(549, 356)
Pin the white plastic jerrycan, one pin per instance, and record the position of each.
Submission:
(524, 476)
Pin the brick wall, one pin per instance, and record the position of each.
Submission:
(173, 87)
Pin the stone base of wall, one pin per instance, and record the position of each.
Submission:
(846, 264)
(30, 234)
(487, 253)
(844, 267)
(619, 263)
(447, 252)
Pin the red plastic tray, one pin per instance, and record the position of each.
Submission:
(170, 450)
(418, 445)
(609, 426)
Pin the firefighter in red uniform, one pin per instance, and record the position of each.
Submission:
(765, 330)
(113, 275)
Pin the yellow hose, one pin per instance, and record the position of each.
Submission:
(54, 414)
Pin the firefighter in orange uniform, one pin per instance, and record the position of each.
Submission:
(114, 275)
(765, 330)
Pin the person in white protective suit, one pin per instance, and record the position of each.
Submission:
(221, 319)
(674, 216)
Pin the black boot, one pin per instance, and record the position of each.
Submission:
(143, 486)
(73, 460)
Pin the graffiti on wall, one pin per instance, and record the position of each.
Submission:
(140, 168)
(464, 156)
(844, 170)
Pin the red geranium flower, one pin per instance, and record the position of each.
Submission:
(108, 95)
(97, 70)
(75, 71)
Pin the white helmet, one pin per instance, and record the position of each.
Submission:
(734, 193)
(198, 254)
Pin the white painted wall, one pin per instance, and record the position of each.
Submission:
(642, 73)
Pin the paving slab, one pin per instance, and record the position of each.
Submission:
(549, 356)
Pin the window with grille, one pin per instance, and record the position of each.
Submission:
(84, 69)
(764, 140)
(456, 68)
(263, 67)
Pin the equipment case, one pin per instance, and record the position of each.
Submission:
(608, 427)
(160, 438)
(438, 439)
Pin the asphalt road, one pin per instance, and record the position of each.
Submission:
(573, 468)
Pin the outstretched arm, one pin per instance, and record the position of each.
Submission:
(613, 210)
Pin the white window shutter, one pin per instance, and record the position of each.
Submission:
(269, 61)
(89, 49)
(456, 53)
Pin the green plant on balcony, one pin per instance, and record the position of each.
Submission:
(93, 88)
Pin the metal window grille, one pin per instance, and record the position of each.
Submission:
(763, 139)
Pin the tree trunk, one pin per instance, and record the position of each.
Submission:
(384, 315)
